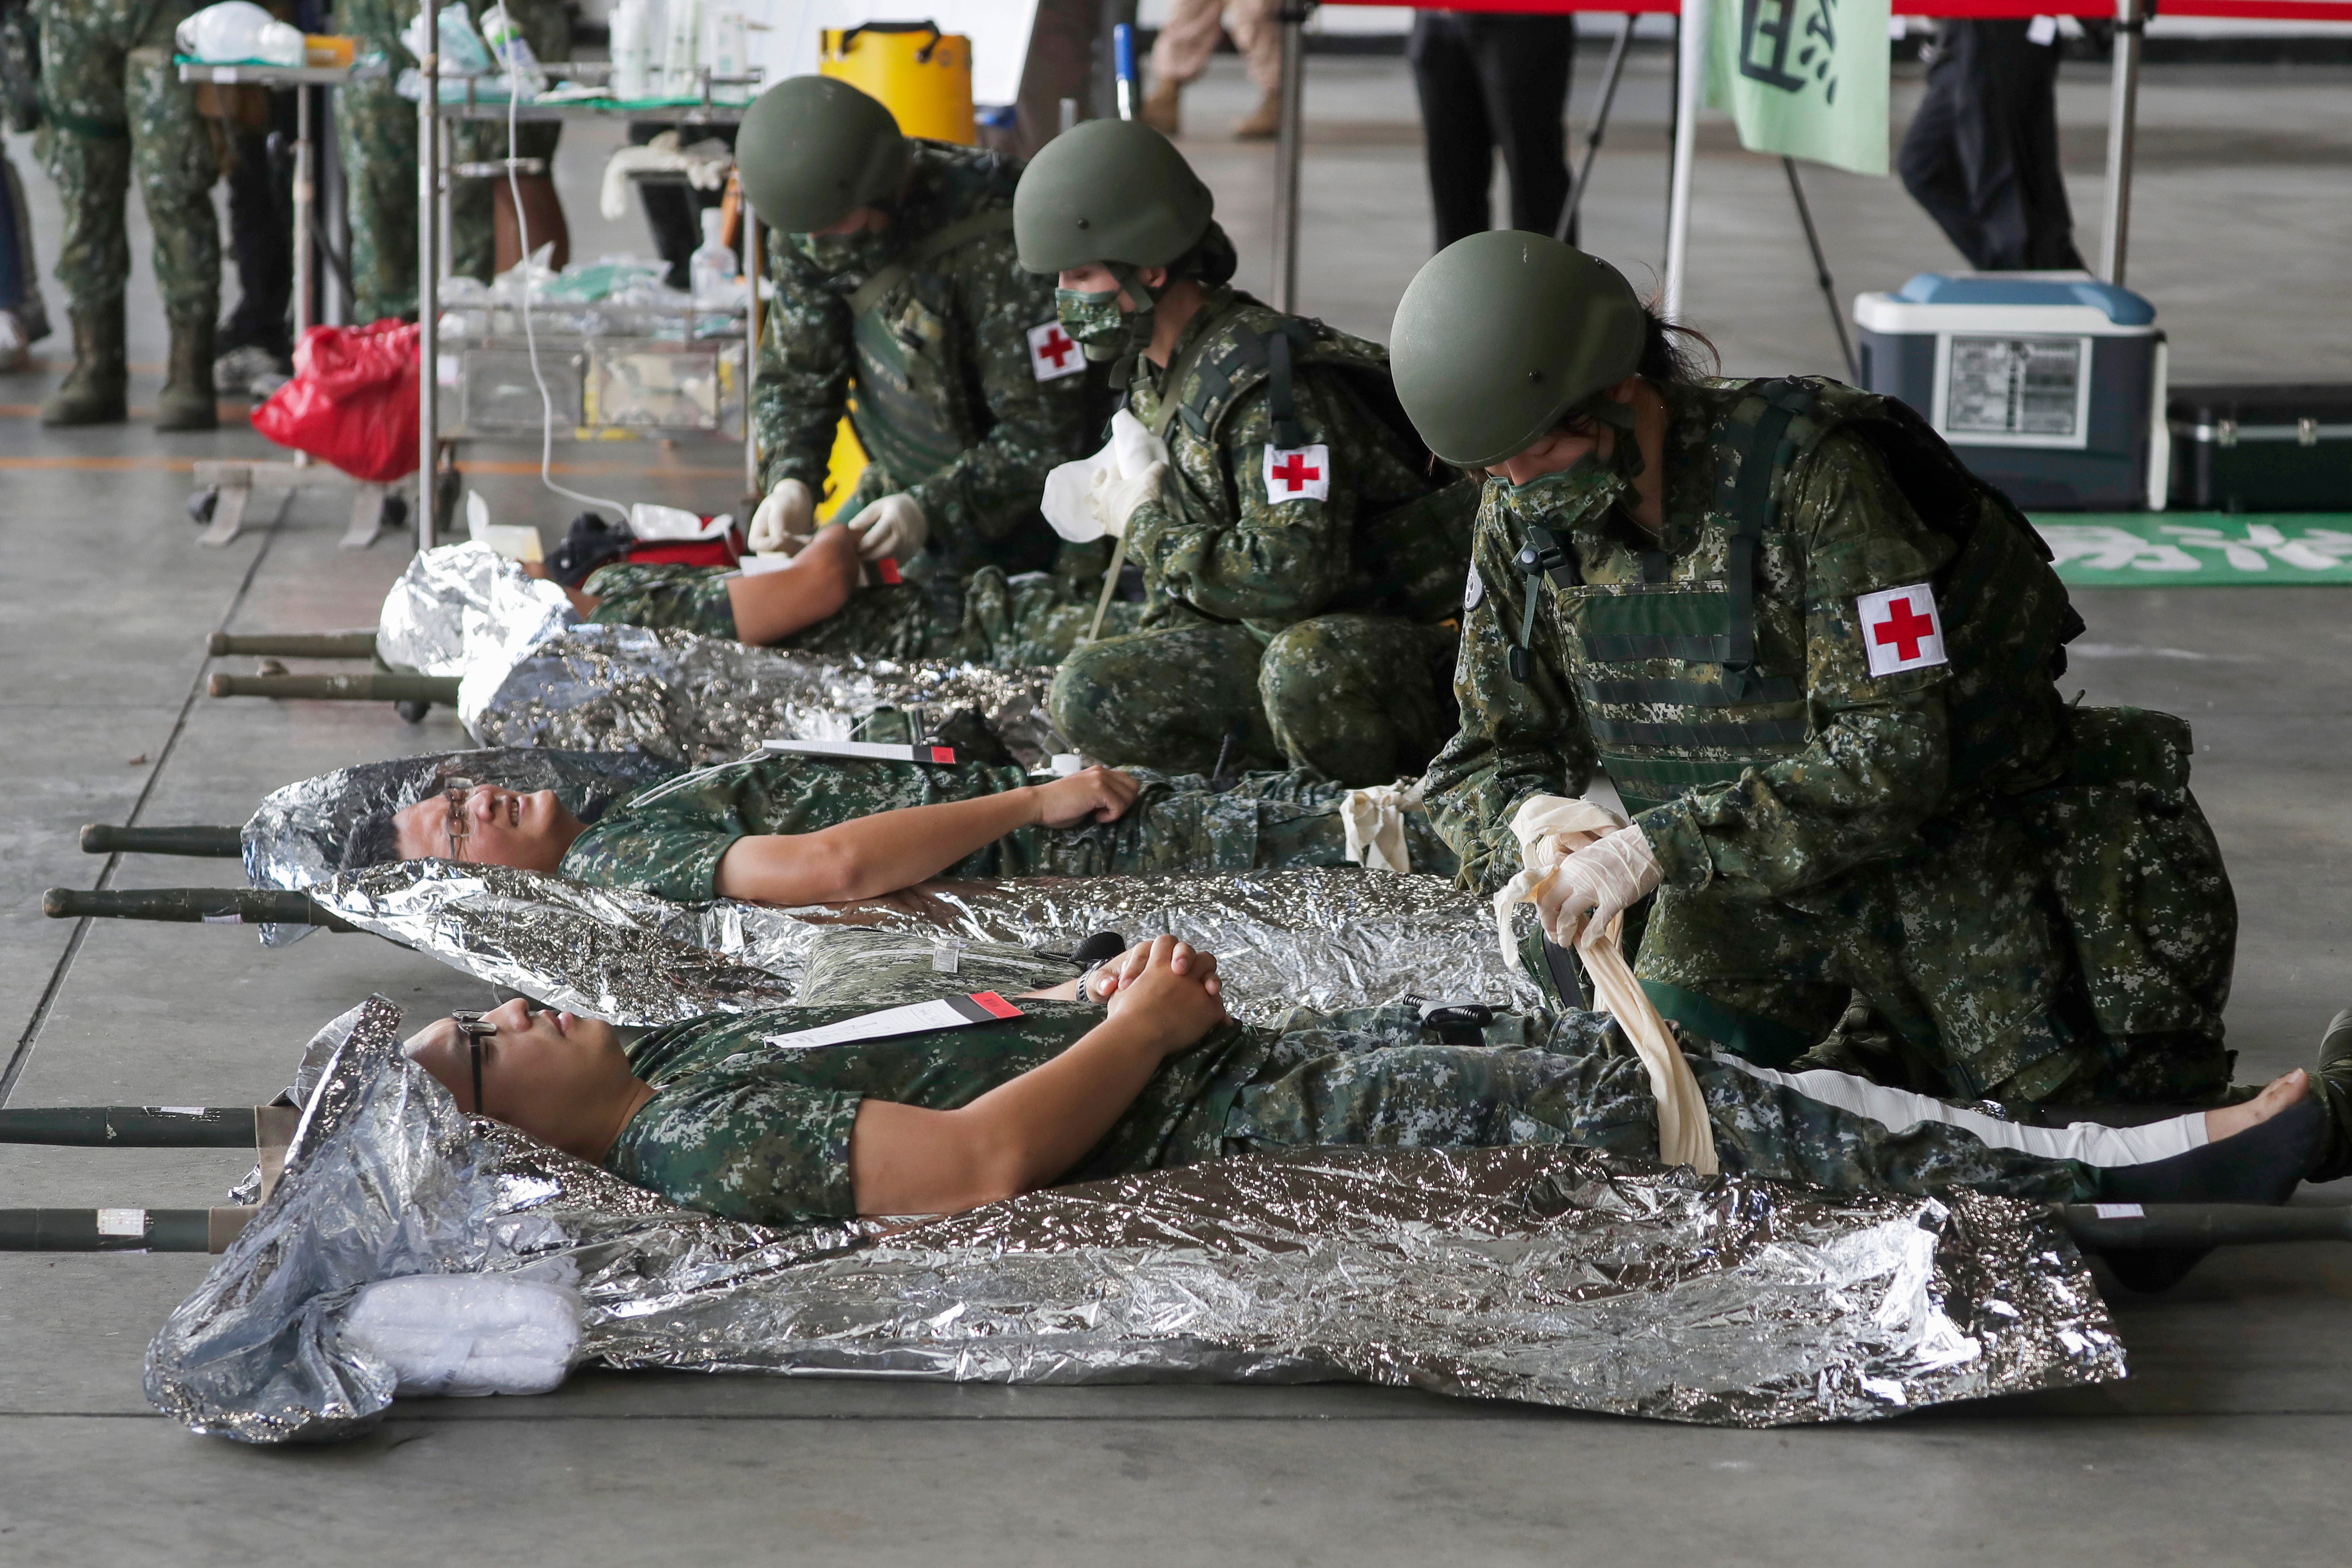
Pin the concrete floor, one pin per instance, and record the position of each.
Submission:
(2224, 1446)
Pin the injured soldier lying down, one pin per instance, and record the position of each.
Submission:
(798, 829)
(812, 1113)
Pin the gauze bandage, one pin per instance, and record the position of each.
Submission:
(467, 1333)
(1551, 830)
(1373, 819)
(1095, 496)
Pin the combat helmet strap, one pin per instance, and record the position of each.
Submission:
(1138, 321)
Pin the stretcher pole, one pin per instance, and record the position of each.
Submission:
(120, 1230)
(1288, 148)
(292, 645)
(2123, 126)
(191, 906)
(378, 686)
(204, 842)
(151, 1126)
(428, 272)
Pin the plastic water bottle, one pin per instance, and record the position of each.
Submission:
(632, 27)
(711, 268)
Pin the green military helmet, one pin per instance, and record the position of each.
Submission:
(1501, 334)
(1113, 191)
(812, 150)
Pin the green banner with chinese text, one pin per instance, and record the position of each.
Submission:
(1804, 79)
(2199, 550)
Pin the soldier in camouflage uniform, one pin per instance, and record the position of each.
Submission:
(1303, 554)
(669, 840)
(724, 1114)
(114, 102)
(1007, 623)
(899, 303)
(1817, 659)
(375, 131)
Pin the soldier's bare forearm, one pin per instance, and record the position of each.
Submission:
(872, 855)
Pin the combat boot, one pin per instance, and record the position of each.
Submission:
(91, 392)
(189, 401)
(1262, 123)
(1163, 106)
(2332, 1082)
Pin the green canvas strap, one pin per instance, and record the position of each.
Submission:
(926, 250)
(1761, 1040)
(1221, 305)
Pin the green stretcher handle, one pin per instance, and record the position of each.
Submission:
(293, 645)
(210, 906)
(377, 687)
(217, 843)
(132, 1127)
(2199, 1224)
(121, 1230)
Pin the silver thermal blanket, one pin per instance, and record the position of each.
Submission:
(1323, 938)
(1552, 1277)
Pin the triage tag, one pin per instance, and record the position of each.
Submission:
(916, 1018)
(879, 751)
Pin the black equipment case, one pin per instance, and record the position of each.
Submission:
(2261, 448)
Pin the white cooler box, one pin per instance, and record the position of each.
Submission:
(2049, 384)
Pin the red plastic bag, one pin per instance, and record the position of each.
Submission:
(352, 401)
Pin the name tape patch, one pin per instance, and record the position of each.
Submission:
(1053, 354)
(1298, 473)
(879, 751)
(915, 1018)
(1901, 629)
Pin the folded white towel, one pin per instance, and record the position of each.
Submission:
(467, 1335)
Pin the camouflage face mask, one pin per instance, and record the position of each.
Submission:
(834, 254)
(1586, 490)
(1093, 319)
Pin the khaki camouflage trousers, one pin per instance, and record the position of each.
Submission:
(114, 104)
(375, 131)
(1361, 700)
(2067, 946)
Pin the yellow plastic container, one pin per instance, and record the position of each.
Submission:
(921, 75)
(327, 50)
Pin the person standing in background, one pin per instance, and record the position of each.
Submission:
(1490, 83)
(24, 318)
(1981, 154)
(111, 103)
(1181, 53)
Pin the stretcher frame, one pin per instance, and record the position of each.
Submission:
(225, 487)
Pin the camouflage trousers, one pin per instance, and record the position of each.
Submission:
(1374, 1076)
(375, 133)
(986, 618)
(1361, 700)
(114, 104)
(2067, 946)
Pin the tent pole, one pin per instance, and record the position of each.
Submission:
(1566, 232)
(1690, 92)
(429, 274)
(1821, 273)
(1286, 154)
(2123, 116)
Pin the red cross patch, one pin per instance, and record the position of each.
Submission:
(1052, 354)
(1900, 629)
(1298, 473)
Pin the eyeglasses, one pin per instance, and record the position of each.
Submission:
(477, 1028)
(459, 823)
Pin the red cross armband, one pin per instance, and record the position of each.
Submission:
(1298, 473)
(1901, 629)
(1051, 353)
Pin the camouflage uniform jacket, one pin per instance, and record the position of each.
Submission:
(750, 1130)
(977, 409)
(669, 840)
(1796, 762)
(1270, 520)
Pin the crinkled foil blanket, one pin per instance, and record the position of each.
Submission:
(1320, 938)
(1548, 1276)
(701, 700)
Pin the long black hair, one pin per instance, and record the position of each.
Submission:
(1671, 353)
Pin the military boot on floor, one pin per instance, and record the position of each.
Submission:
(1162, 106)
(189, 401)
(91, 392)
(2333, 1084)
(1262, 123)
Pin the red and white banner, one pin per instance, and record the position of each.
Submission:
(915, 1018)
(879, 750)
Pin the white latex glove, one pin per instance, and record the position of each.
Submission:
(784, 522)
(1116, 500)
(893, 528)
(1598, 883)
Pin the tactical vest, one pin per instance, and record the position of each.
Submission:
(1668, 673)
(1410, 557)
(914, 414)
